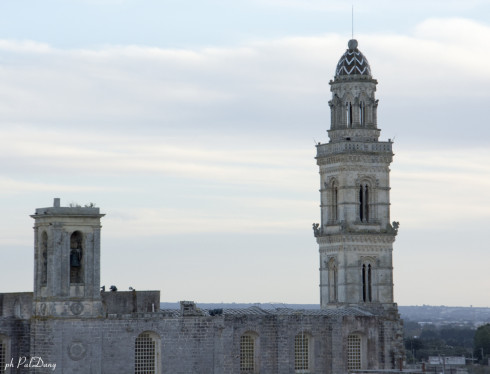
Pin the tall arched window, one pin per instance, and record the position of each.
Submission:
(354, 358)
(334, 203)
(362, 113)
(364, 202)
(4, 352)
(348, 114)
(248, 353)
(332, 280)
(44, 258)
(147, 353)
(367, 282)
(302, 354)
(76, 257)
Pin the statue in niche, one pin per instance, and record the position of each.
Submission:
(75, 257)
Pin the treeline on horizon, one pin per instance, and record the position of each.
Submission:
(422, 341)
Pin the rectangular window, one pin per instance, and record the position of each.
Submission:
(144, 354)
(247, 353)
(353, 352)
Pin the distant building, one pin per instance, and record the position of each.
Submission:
(69, 325)
(447, 360)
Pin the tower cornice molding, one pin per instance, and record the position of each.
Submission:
(333, 169)
(352, 146)
(354, 159)
(354, 238)
(364, 249)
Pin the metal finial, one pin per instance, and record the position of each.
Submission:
(352, 22)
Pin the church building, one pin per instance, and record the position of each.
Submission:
(68, 324)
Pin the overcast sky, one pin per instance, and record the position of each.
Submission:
(192, 124)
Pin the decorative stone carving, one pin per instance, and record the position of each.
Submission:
(77, 350)
(316, 230)
(395, 226)
(42, 309)
(76, 308)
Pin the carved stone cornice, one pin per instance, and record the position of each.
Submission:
(353, 238)
(337, 169)
(331, 250)
(349, 158)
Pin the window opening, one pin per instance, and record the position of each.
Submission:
(348, 108)
(364, 283)
(247, 353)
(364, 203)
(332, 280)
(44, 258)
(301, 352)
(367, 283)
(370, 294)
(334, 203)
(3, 354)
(362, 112)
(353, 352)
(76, 256)
(145, 352)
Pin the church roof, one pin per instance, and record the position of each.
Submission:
(353, 62)
(264, 309)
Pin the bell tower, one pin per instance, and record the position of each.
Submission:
(355, 236)
(67, 261)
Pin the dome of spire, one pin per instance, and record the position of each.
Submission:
(353, 62)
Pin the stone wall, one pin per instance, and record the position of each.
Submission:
(192, 340)
(130, 301)
(204, 343)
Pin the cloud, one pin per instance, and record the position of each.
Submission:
(31, 151)
(442, 59)
(11, 186)
(249, 215)
(441, 189)
(136, 86)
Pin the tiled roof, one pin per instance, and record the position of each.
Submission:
(270, 309)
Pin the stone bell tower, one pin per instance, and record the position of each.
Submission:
(355, 236)
(67, 261)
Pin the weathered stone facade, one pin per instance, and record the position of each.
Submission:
(68, 325)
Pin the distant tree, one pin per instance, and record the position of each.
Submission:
(449, 340)
(429, 333)
(482, 341)
(411, 328)
(458, 336)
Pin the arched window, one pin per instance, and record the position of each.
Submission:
(334, 202)
(302, 354)
(362, 113)
(44, 258)
(76, 257)
(364, 202)
(248, 353)
(332, 281)
(348, 114)
(367, 282)
(147, 353)
(4, 352)
(354, 358)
